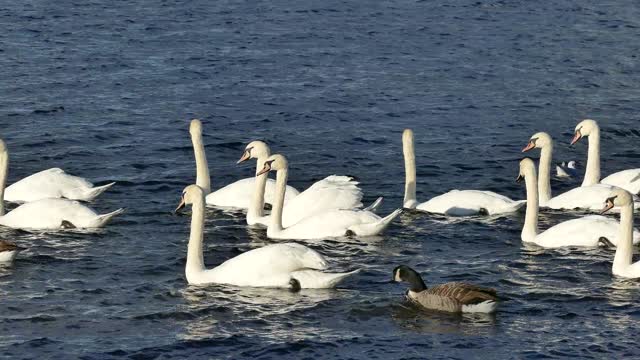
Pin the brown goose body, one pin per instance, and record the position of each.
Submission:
(8, 251)
(453, 296)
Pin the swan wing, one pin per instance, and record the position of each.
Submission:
(470, 202)
(585, 231)
(238, 194)
(627, 179)
(584, 197)
(332, 223)
(49, 214)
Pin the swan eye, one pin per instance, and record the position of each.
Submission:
(533, 140)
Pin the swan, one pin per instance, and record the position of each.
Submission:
(453, 297)
(269, 266)
(53, 183)
(235, 195)
(8, 252)
(47, 213)
(627, 179)
(332, 192)
(331, 223)
(586, 231)
(566, 170)
(455, 202)
(583, 197)
(623, 260)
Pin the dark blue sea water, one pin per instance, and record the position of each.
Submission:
(106, 89)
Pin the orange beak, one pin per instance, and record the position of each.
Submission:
(577, 136)
(265, 169)
(245, 156)
(607, 206)
(529, 146)
(180, 206)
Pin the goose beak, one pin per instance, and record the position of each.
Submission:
(245, 156)
(265, 169)
(608, 205)
(519, 178)
(180, 206)
(577, 136)
(529, 146)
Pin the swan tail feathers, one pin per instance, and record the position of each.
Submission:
(95, 192)
(375, 228)
(313, 279)
(102, 220)
(375, 205)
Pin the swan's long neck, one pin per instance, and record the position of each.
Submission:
(544, 181)
(276, 211)
(256, 207)
(4, 170)
(195, 260)
(592, 173)
(410, 171)
(624, 250)
(530, 228)
(202, 167)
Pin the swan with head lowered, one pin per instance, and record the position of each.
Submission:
(47, 213)
(236, 195)
(330, 223)
(332, 192)
(623, 264)
(455, 202)
(50, 184)
(626, 179)
(586, 231)
(269, 266)
(583, 197)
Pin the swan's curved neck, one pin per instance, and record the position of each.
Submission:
(530, 228)
(276, 211)
(202, 167)
(624, 250)
(544, 181)
(4, 170)
(256, 206)
(195, 260)
(410, 200)
(592, 173)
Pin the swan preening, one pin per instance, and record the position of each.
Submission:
(332, 192)
(584, 197)
(269, 266)
(623, 261)
(586, 231)
(626, 179)
(323, 224)
(50, 184)
(453, 297)
(238, 194)
(8, 252)
(455, 202)
(47, 213)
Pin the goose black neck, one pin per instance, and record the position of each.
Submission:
(414, 280)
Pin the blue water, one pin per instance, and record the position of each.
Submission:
(106, 89)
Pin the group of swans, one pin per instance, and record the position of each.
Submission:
(49, 202)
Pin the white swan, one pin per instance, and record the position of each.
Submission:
(566, 170)
(269, 266)
(623, 261)
(8, 252)
(583, 197)
(332, 192)
(586, 231)
(627, 179)
(235, 195)
(47, 213)
(455, 202)
(331, 223)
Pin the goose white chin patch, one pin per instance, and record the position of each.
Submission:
(397, 276)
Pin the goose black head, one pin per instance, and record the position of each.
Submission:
(404, 273)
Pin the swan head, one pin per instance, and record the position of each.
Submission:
(407, 135)
(195, 128)
(274, 162)
(527, 167)
(190, 194)
(584, 128)
(617, 197)
(255, 150)
(538, 140)
(404, 273)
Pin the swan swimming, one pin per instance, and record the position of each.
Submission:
(455, 202)
(623, 264)
(269, 266)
